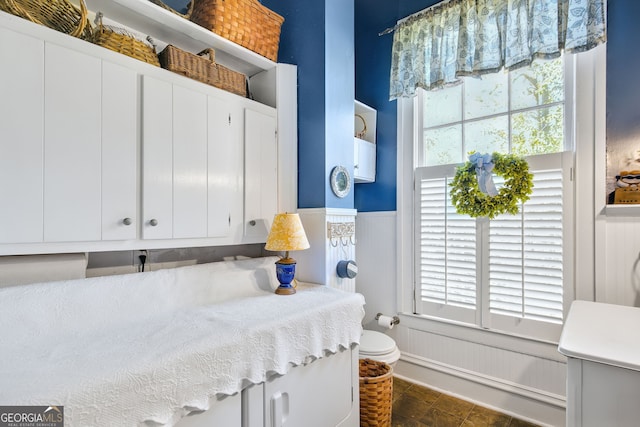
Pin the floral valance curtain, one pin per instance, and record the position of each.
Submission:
(469, 37)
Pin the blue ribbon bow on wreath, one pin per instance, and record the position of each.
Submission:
(484, 167)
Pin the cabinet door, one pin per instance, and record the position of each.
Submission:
(261, 174)
(157, 159)
(189, 163)
(72, 110)
(364, 169)
(225, 166)
(315, 395)
(119, 152)
(21, 137)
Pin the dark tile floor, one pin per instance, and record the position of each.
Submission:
(417, 406)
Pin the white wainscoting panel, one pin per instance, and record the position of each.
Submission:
(376, 280)
(622, 283)
(512, 369)
(318, 263)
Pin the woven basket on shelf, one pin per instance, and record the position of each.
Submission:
(57, 14)
(245, 22)
(203, 69)
(376, 392)
(122, 42)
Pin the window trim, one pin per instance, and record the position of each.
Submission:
(589, 99)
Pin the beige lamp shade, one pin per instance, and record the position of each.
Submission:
(287, 234)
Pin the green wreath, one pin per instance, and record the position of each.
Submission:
(469, 199)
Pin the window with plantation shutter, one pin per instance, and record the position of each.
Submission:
(506, 274)
(522, 256)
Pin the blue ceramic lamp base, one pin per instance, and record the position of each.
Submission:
(285, 272)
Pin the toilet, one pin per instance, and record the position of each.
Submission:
(380, 347)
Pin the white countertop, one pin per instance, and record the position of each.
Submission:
(603, 333)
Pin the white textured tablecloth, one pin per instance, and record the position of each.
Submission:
(151, 347)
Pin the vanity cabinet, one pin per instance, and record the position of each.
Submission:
(60, 116)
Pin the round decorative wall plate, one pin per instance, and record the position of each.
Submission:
(340, 181)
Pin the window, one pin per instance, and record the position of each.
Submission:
(507, 274)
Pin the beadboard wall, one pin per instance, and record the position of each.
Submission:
(376, 280)
(318, 263)
(619, 246)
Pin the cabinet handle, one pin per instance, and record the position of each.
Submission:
(153, 222)
(252, 223)
(127, 221)
(356, 167)
(279, 408)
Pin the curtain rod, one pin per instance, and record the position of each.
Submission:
(400, 21)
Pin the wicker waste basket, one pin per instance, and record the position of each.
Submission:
(376, 391)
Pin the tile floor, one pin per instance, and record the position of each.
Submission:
(416, 406)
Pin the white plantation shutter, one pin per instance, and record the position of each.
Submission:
(520, 258)
(445, 250)
(525, 255)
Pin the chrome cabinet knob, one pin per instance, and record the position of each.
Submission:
(153, 222)
(127, 221)
(252, 223)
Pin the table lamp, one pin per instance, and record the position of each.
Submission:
(286, 234)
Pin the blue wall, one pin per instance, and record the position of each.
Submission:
(318, 38)
(373, 66)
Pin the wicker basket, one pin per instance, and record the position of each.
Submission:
(57, 14)
(203, 69)
(122, 42)
(245, 22)
(376, 391)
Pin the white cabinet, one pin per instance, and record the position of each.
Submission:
(364, 169)
(226, 412)
(260, 174)
(72, 120)
(174, 161)
(327, 400)
(157, 159)
(189, 163)
(21, 137)
(603, 364)
(119, 152)
(99, 151)
(364, 143)
(225, 166)
(62, 135)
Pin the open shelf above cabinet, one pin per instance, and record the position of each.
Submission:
(162, 24)
(630, 210)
